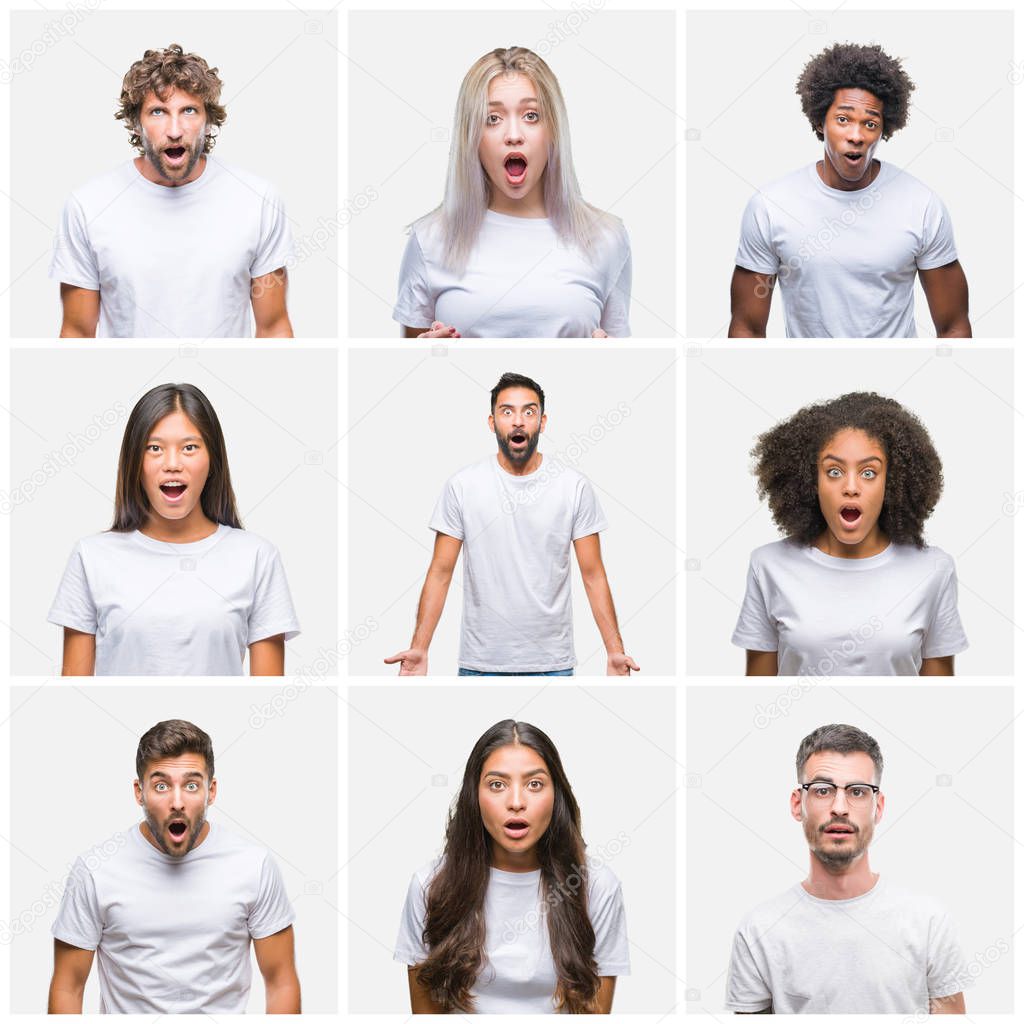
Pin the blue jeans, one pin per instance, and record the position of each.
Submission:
(473, 672)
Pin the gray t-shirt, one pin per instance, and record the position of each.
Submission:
(829, 616)
(846, 261)
(888, 951)
(172, 934)
(517, 532)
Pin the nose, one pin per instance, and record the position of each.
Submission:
(516, 797)
(840, 808)
(513, 132)
(851, 484)
(178, 803)
(854, 134)
(171, 460)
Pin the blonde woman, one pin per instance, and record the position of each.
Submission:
(514, 250)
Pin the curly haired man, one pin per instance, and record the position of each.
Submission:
(846, 237)
(173, 243)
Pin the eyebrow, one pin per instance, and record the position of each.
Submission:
(187, 775)
(190, 437)
(835, 458)
(529, 405)
(867, 110)
(832, 782)
(522, 103)
(526, 775)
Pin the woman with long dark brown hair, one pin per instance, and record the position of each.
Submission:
(512, 918)
(175, 586)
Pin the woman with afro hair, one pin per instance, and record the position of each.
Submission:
(846, 236)
(853, 589)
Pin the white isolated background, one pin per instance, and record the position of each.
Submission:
(624, 784)
(617, 75)
(417, 416)
(964, 397)
(279, 70)
(77, 746)
(278, 410)
(946, 831)
(742, 68)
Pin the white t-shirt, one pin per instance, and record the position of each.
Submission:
(519, 973)
(172, 934)
(521, 281)
(161, 609)
(887, 951)
(517, 533)
(846, 261)
(172, 262)
(829, 616)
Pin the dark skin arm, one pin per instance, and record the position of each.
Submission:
(275, 956)
(937, 666)
(81, 311)
(762, 663)
(948, 1004)
(750, 298)
(79, 653)
(71, 967)
(419, 997)
(945, 288)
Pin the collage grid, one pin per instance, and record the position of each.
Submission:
(356, 768)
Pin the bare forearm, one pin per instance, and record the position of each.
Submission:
(958, 328)
(281, 328)
(63, 999)
(599, 595)
(284, 996)
(428, 614)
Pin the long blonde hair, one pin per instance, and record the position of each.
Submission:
(467, 190)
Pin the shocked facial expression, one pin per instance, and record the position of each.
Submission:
(514, 144)
(173, 132)
(174, 796)
(851, 490)
(838, 823)
(517, 798)
(852, 130)
(517, 422)
(175, 466)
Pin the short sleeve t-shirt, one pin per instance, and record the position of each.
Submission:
(517, 534)
(887, 951)
(172, 262)
(828, 616)
(519, 973)
(172, 934)
(160, 609)
(521, 281)
(846, 261)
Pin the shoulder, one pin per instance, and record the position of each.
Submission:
(602, 882)
(424, 875)
(467, 474)
(912, 904)
(892, 177)
(775, 553)
(230, 177)
(246, 540)
(938, 560)
(757, 921)
(795, 182)
(100, 544)
(427, 232)
(224, 842)
(611, 239)
(103, 188)
(102, 858)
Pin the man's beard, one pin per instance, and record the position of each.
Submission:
(157, 832)
(837, 857)
(532, 440)
(155, 157)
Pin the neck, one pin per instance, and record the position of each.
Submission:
(873, 544)
(145, 167)
(520, 468)
(195, 526)
(517, 863)
(531, 205)
(846, 884)
(834, 179)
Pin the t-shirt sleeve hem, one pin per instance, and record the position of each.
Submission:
(408, 957)
(290, 630)
(747, 1007)
(745, 264)
(279, 926)
(589, 531)
(74, 280)
(74, 940)
(935, 264)
(613, 970)
(754, 643)
(407, 318)
(447, 531)
(278, 262)
(59, 618)
(954, 987)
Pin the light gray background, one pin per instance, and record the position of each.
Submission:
(617, 74)
(949, 841)
(624, 785)
(278, 410)
(742, 69)
(417, 418)
(73, 763)
(279, 70)
(963, 396)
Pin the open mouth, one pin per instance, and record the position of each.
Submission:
(173, 490)
(518, 437)
(515, 168)
(175, 153)
(853, 158)
(850, 514)
(177, 829)
(516, 828)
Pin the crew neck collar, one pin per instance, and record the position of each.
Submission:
(517, 477)
(525, 222)
(195, 547)
(180, 190)
(851, 564)
(864, 896)
(842, 193)
(523, 878)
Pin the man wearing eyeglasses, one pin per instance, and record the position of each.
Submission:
(844, 940)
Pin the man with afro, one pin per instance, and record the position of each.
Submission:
(846, 236)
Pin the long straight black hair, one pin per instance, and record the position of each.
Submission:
(455, 931)
(131, 506)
